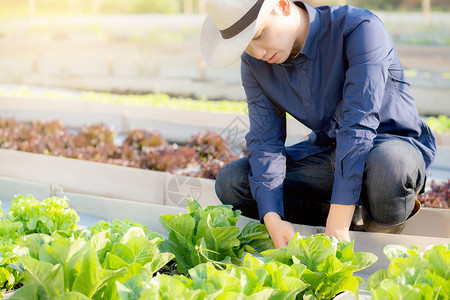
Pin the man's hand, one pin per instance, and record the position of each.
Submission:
(280, 231)
(339, 220)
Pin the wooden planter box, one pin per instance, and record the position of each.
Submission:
(68, 175)
(93, 208)
(433, 223)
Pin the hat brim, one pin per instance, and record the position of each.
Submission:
(220, 53)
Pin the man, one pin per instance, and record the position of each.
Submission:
(335, 70)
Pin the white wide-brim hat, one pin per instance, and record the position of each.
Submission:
(229, 28)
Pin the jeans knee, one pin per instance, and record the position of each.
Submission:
(394, 173)
(232, 180)
(389, 212)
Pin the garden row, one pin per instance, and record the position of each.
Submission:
(203, 255)
(202, 156)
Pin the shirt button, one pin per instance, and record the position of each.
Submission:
(308, 104)
(355, 193)
(303, 72)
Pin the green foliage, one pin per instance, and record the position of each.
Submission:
(210, 234)
(9, 230)
(57, 266)
(118, 228)
(134, 251)
(255, 279)
(9, 278)
(330, 264)
(413, 275)
(60, 266)
(19, 8)
(439, 124)
(26, 216)
(46, 216)
(156, 7)
(153, 100)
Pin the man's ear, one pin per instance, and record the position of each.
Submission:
(285, 7)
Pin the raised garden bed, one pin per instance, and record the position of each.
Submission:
(202, 156)
(92, 209)
(86, 177)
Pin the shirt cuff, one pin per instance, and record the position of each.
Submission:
(269, 201)
(346, 191)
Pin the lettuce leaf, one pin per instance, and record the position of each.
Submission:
(210, 234)
(46, 216)
(329, 264)
(413, 275)
(256, 279)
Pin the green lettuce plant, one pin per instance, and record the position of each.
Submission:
(210, 234)
(99, 261)
(26, 216)
(257, 278)
(118, 228)
(329, 263)
(413, 275)
(46, 216)
(9, 278)
(59, 268)
(134, 251)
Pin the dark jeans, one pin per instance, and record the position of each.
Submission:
(394, 173)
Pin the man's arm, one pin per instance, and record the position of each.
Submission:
(266, 152)
(339, 220)
(369, 52)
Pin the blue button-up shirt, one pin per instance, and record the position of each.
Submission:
(347, 85)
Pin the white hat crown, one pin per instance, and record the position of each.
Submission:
(226, 13)
(229, 28)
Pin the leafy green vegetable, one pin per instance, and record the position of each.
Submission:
(9, 231)
(60, 266)
(413, 275)
(330, 264)
(46, 216)
(9, 278)
(210, 234)
(118, 228)
(160, 287)
(136, 253)
(26, 216)
(255, 279)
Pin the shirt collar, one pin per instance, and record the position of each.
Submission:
(309, 48)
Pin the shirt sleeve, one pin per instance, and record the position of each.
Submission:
(369, 52)
(265, 145)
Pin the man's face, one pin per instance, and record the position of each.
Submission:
(275, 40)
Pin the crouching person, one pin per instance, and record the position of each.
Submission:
(335, 70)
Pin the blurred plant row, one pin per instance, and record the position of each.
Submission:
(438, 196)
(439, 123)
(202, 156)
(22, 8)
(154, 100)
